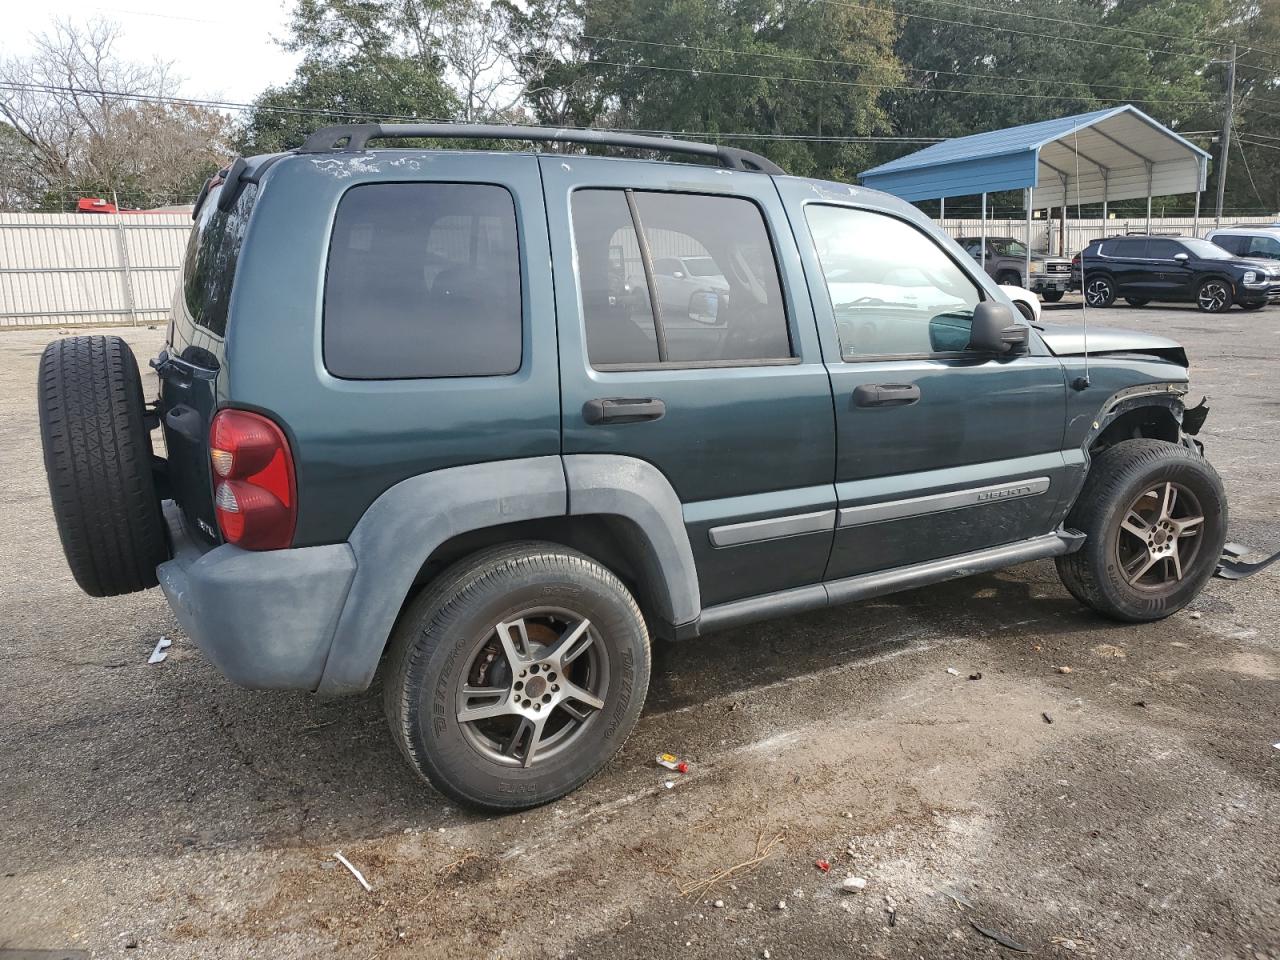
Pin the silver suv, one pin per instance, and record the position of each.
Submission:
(1007, 260)
(1255, 243)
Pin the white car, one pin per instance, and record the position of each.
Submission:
(1253, 243)
(1028, 303)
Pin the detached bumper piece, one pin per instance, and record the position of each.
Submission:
(265, 618)
(1231, 567)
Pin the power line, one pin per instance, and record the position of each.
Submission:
(855, 63)
(887, 86)
(1245, 158)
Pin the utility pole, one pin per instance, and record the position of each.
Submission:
(1225, 140)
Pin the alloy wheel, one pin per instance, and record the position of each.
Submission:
(536, 682)
(1213, 296)
(1098, 293)
(1160, 536)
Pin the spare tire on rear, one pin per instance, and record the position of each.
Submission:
(97, 454)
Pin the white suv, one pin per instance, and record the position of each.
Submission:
(1257, 243)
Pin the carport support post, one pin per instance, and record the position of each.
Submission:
(1148, 199)
(1030, 198)
(942, 209)
(1195, 222)
(984, 231)
(1106, 189)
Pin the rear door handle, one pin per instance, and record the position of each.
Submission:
(623, 410)
(885, 394)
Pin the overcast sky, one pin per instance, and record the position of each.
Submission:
(220, 50)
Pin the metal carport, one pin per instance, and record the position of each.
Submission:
(1114, 154)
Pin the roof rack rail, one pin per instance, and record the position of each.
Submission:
(353, 137)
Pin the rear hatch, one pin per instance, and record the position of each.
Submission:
(191, 364)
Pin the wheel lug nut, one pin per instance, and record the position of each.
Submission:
(537, 706)
(555, 688)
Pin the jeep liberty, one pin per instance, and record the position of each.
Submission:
(482, 424)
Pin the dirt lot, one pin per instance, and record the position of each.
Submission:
(157, 811)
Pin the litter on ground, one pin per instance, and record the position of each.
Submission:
(161, 651)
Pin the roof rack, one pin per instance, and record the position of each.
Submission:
(353, 137)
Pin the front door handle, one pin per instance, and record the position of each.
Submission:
(623, 410)
(885, 394)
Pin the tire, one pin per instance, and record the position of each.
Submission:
(1214, 296)
(1026, 311)
(440, 644)
(97, 454)
(1113, 492)
(1100, 292)
(1053, 296)
(1252, 306)
(1136, 301)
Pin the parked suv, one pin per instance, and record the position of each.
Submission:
(1176, 269)
(1252, 243)
(1007, 262)
(428, 417)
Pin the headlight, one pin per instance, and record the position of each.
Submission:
(1037, 267)
(1250, 276)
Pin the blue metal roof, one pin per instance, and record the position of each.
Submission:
(1120, 148)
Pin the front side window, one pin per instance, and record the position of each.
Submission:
(1266, 247)
(1163, 249)
(423, 281)
(894, 291)
(670, 278)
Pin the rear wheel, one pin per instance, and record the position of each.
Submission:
(1052, 296)
(97, 454)
(1214, 296)
(1155, 517)
(515, 676)
(1136, 301)
(1100, 292)
(1252, 306)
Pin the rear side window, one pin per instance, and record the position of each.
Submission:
(212, 253)
(1129, 247)
(677, 279)
(423, 281)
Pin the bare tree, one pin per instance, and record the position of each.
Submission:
(92, 120)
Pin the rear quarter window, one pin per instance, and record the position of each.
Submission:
(423, 281)
(213, 251)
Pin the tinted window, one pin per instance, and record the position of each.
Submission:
(1235, 245)
(423, 281)
(212, 253)
(716, 294)
(1163, 249)
(1129, 247)
(1268, 248)
(893, 289)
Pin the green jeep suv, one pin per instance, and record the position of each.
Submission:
(483, 424)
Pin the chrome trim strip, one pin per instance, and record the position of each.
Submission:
(939, 502)
(772, 528)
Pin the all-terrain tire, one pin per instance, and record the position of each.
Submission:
(1117, 477)
(98, 458)
(433, 646)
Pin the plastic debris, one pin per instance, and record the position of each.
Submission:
(354, 872)
(998, 937)
(953, 671)
(161, 651)
(782, 904)
(1276, 745)
(669, 784)
(672, 762)
(853, 884)
(822, 864)
(1047, 718)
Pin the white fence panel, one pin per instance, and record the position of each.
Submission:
(88, 269)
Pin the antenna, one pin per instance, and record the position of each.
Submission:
(1081, 383)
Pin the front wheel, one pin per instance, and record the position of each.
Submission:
(1100, 292)
(1214, 296)
(1155, 518)
(1052, 296)
(514, 677)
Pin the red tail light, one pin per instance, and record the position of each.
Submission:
(1075, 261)
(256, 497)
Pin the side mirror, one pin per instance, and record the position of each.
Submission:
(1181, 257)
(678, 274)
(996, 330)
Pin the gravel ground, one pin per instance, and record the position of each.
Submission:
(158, 811)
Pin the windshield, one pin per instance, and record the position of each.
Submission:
(1008, 247)
(1206, 250)
(702, 267)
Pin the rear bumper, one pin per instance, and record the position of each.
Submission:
(265, 618)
